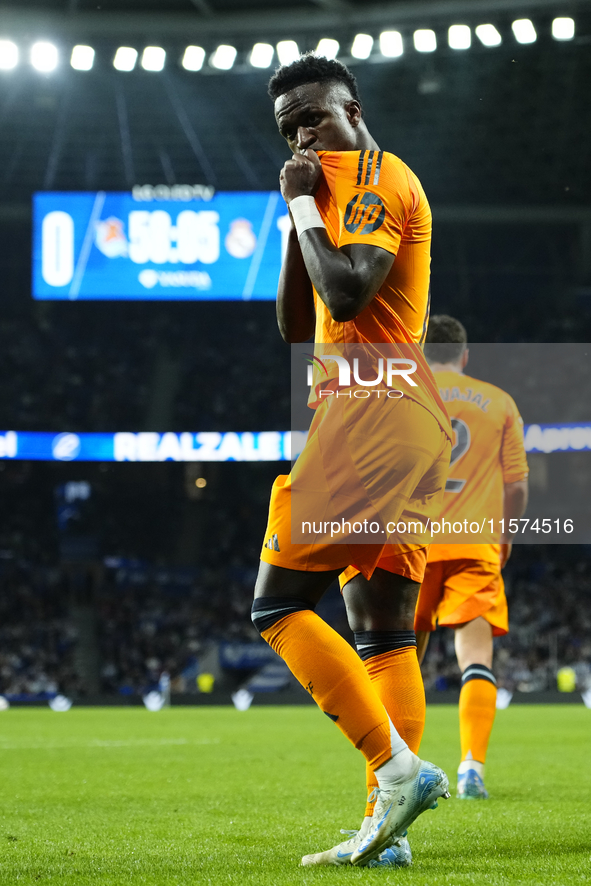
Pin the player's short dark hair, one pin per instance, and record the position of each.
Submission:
(311, 68)
(446, 339)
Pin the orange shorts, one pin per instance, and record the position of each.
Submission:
(363, 460)
(454, 592)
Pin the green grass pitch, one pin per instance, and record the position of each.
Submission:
(214, 796)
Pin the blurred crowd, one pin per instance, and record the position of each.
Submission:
(150, 619)
(80, 367)
(138, 367)
(37, 635)
(549, 594)
(73, 376)
(155, 619)
(181, 367)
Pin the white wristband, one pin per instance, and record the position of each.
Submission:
(305, 214)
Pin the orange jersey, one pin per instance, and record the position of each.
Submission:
(488, 451)
(372, 197)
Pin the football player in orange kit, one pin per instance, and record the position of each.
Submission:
(463, 587)
(356, 271)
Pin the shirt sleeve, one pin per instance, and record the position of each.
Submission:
(374, 200)
(513, 457)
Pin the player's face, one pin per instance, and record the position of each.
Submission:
(323, 117)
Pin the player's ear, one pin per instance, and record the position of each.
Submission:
(465, 357)
(353, 112)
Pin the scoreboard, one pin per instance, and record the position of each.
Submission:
(117, 246)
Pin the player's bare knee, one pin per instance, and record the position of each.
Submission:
(386, 602)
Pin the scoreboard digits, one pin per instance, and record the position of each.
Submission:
(57, 234)
(154, 238)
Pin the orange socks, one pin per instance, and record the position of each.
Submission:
(334, 675)
(478, 700)
(396, 677)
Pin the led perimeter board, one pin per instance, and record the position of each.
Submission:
(116, 246)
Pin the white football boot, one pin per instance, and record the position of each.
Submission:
(340, 854)
(398, 855)
(397, 807)
(471, 780)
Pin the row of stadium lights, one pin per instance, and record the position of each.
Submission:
(45, 56)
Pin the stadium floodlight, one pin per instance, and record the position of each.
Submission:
(82, 58)
(327, 47)
(287, 52)
(8, 55)
(193, 58)
(524, 30)
(563, 28)
(488, 35)
(459, 37)
(391, 45)
(44, 57)
(425, 40)
(125, 58)
(224, 56)
(362, 46)
(261, 55)
(153, 58)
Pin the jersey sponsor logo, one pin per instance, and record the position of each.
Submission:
(365, 213)
(273, 543)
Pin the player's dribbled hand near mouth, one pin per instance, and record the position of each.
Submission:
(356, 271)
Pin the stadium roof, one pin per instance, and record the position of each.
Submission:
(219, 16)
(489, 126)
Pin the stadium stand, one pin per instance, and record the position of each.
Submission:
(71, 367)
(496, 138)
(549, 594)
(152, 618)
(37, 636)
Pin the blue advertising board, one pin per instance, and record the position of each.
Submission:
(208, 446)
(150, 446)
(118, 246)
